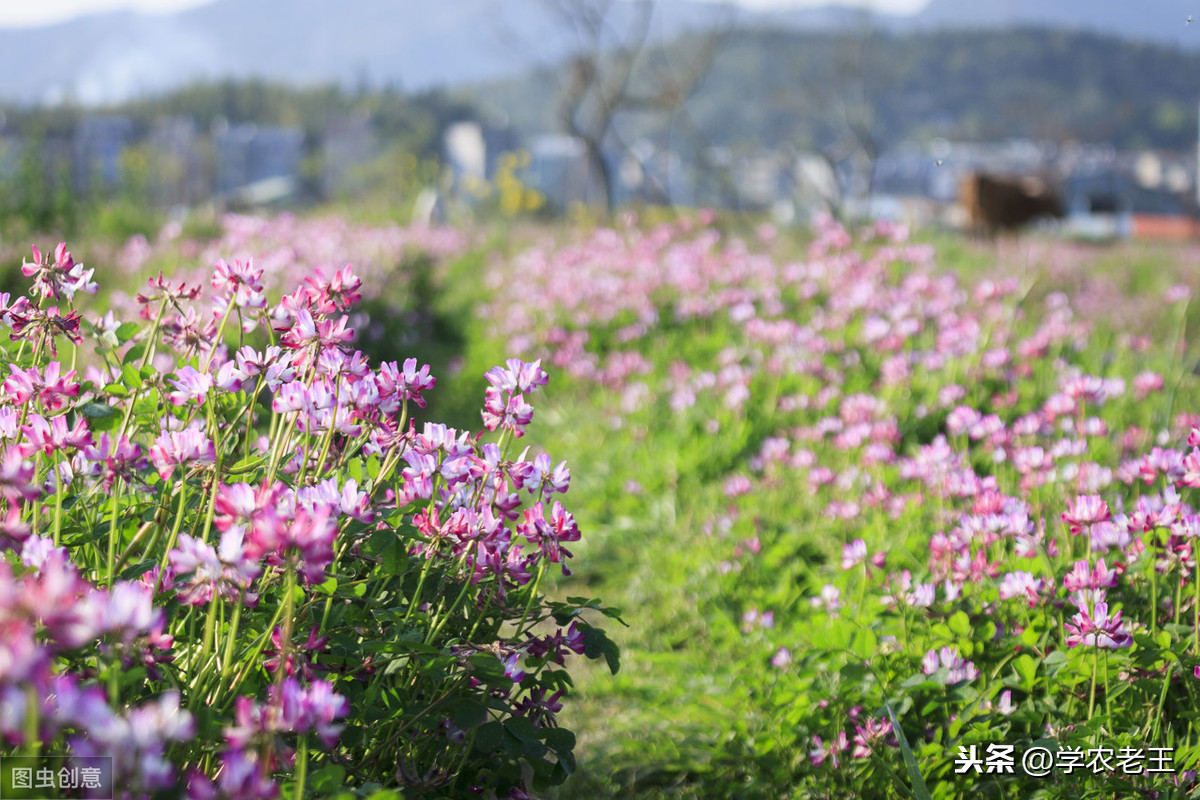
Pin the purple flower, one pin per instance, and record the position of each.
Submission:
(60, 278)
(1021, 584)
(181, 448)
(519, 377)
(241, 777)
(854, 554)
(228, 572)
(1093, 626)
(514, 672)
(782, 658)
(190, 384)
(948, 658)
(512, 413)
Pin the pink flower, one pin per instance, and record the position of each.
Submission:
(867, 736)
(829, 599)
(307, 541)
(17, 476)
(831, 752)
(1095, 627)
(241, 777)
(238, 283)
(1021, 584)
(227, 572)
(182, 448)
(1082, 577)
(854, 554)
(519, 377)
(1085, 510)
(337, 294)
(782, 658)
(60, 278)
(948, 658)
(190, 384)
(737, 485)
(1146, 383)
(159, 288)
(513, 414)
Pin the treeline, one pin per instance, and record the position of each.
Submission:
(778, 88)
(47, 182)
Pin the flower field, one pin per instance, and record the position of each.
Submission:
(878, 527)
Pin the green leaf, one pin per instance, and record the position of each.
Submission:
(126, 331)
(489, 736)
(135, 354)
(328, 778)
(328, 587)
(1026, 668)
(521, 728)
(596, 644)
(960, 623)
(134, 571)
(247, 465)
(612, 656)
(467, 714)
(560, 740)
(1054, 662)
(131, 376)
(853, 672)
(95, 410)
(920, 790)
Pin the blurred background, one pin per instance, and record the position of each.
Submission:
(119, 115)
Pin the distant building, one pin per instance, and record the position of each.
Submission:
(652, 174)
(97, 146)
(473, 149)
(559, 169)
(347, 145)
(181, 162)
(466, 150)
(249, 156)
(10, 155)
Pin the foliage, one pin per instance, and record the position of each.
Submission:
(862, 506)
(233, 560)
(779, 88)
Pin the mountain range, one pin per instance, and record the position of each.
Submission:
(419, 44)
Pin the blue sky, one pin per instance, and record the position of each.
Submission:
(20, 13)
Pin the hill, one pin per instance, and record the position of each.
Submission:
(418, 44)
(779, 87)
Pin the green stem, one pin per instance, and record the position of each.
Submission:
(301, 767)
(33, 741)
(289, 610)
(206, 642)
(58, 512)
(416, 598)
(1092, 695)
(162, 563)
(232, 639)
(533, 596)
(250, 662)
(1153, 591)
(1196, 608)
(112, 527)
(440, 619)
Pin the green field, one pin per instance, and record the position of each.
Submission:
(869, 504)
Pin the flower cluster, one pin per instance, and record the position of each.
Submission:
(262, 532)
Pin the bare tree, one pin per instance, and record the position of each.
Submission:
(610, 73)
(846, 95)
